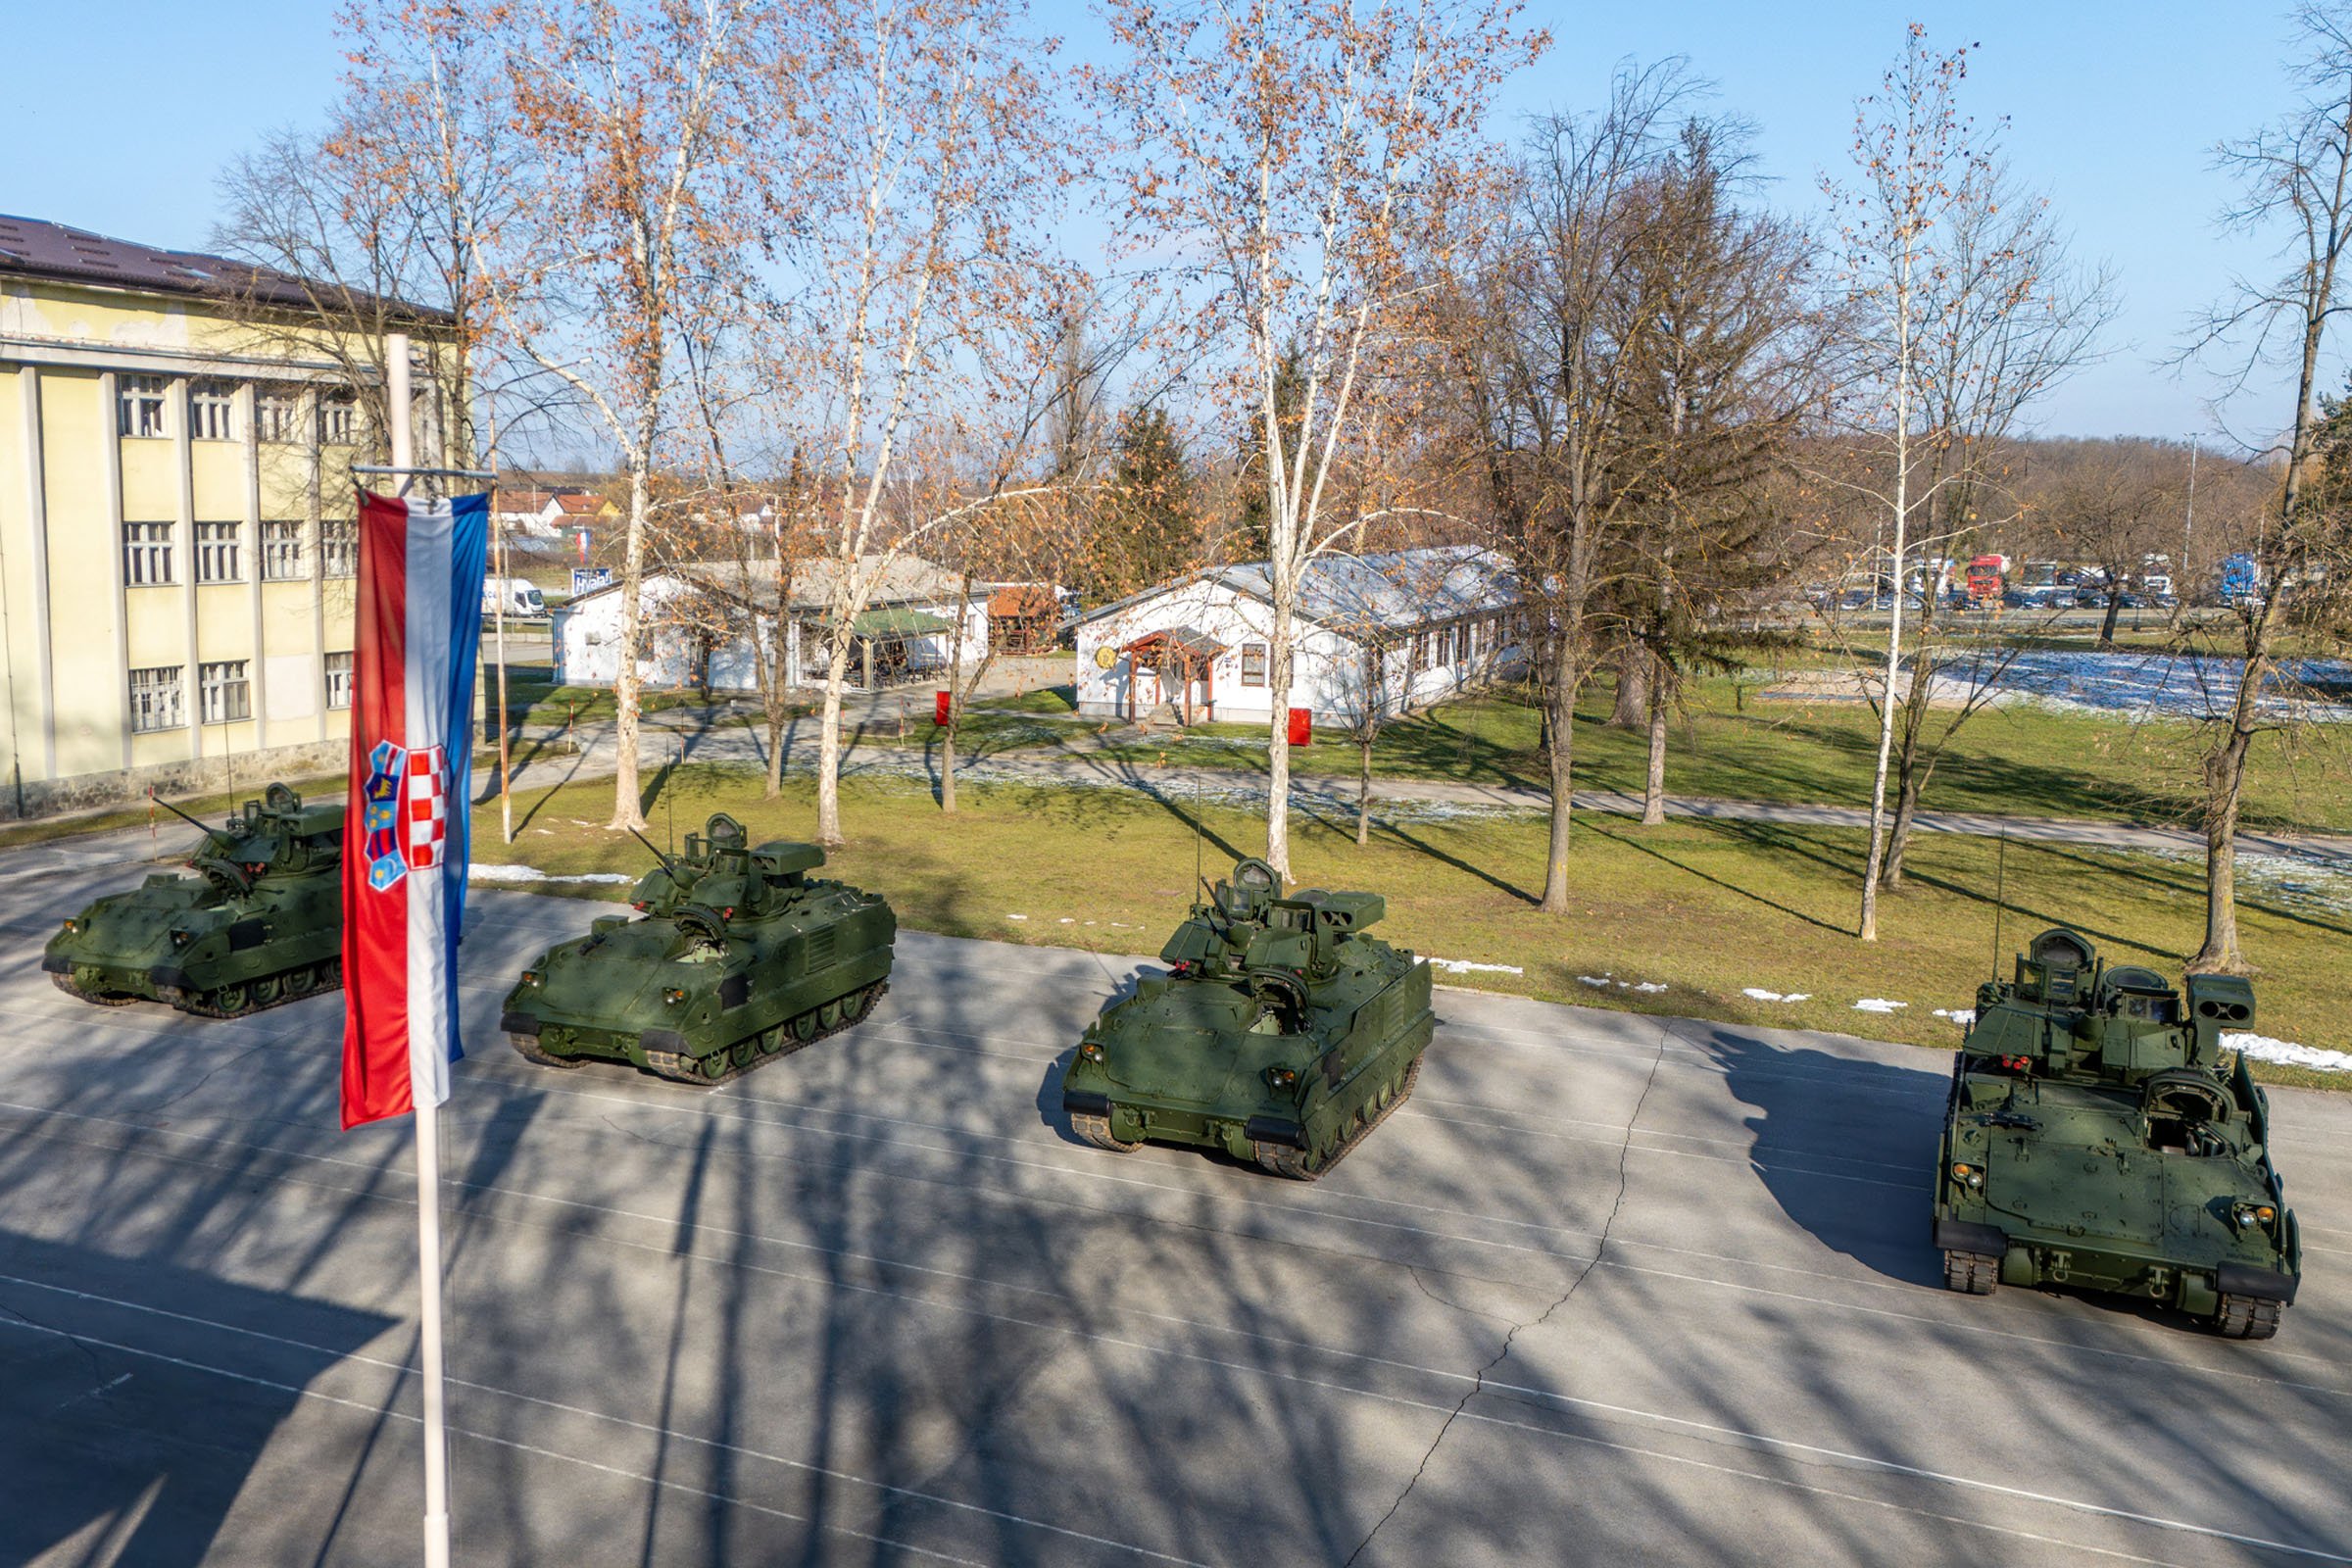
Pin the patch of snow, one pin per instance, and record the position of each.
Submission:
(484, 872)
(1069, 920)
(1762, 995)
(1016, 917)
(1879, 1005)
(1650, 985)
(1598, 982)
(1602, 982)
(2287, 1053)
(1963, 1016)
(1465, 967)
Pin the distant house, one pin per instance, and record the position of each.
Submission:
(549, 514)
(1377, 634)
(697, 621)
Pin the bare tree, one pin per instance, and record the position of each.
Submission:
(1964, 310)
(1547, 328)
(1295, 149)
(636, 125)
(2296, 179)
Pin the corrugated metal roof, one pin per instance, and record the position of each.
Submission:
(1390, 589)
(35, 247)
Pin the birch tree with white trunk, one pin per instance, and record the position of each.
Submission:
(1285, 162)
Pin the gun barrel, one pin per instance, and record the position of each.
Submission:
(657, 855)
(176, 811)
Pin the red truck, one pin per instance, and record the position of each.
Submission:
(1988, 580)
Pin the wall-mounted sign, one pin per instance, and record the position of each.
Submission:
(586, 579)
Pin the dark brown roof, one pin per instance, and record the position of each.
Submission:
(32, 247)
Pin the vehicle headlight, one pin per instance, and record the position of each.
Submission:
(673, 996)
(181, 939)
(2248, 1215)
(72, 927)
(531, 977)
(1282, 1077)
(1090, 1049)
(1969, 1176)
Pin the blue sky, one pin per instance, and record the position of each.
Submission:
(2114, 109)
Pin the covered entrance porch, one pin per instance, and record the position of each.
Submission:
(1175, 667)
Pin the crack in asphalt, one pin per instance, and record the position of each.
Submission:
(98, 1384)
(1478, 1382)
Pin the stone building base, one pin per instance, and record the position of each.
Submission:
(246, 772)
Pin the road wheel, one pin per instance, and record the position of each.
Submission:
(1971, 1273)
(828, 1016)
(2247, 1317)
(746, 1051)
(1096, 1130)
(804, 1028)
(528, 1048)
(301, 982)
(266, 991)
(230, 1001)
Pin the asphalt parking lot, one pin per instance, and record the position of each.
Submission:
(1606, 1290)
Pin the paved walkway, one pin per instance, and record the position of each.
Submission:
(716, 735)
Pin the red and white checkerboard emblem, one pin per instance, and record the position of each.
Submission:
(424, 807)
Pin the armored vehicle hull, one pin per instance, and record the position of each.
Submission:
(2093, 1139)
(1282, 1035)
(740, 959)
(256, 920)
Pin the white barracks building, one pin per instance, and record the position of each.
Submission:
(1378, 633)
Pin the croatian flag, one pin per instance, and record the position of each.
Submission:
(405, 842)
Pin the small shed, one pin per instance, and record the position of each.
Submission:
(1021, 618)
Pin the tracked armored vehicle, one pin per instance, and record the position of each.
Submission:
(2098, 1135)
(739, 957)
(254, 920)
(1281, 1033)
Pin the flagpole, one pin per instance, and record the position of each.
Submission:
(399, 413)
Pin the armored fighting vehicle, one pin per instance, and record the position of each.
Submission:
(254, 920)
(1281, 1032)
(739, 958)
(2098, 1135)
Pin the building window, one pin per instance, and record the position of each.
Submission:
(277, 415)
(1420, 660)
(212, 411)
(339, 548)
(338, 418)
(217, 553)
(154, 699)
(646, 651)
(338, 680)
(1461, 643)
(282, 550)
(226, 693)
(146, 553)
(1254, 664)
(143, 401)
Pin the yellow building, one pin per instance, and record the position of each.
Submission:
(176, 544)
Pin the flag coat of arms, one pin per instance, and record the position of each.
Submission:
(419, 630)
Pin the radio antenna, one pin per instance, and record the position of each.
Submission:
(2000, 898)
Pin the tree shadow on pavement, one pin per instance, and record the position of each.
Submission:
(1859, 1185)
(113, 1456)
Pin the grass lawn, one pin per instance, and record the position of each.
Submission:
(2023, 760)
(541, 702)
(1700, 910)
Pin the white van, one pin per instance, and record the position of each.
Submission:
(520, 599)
